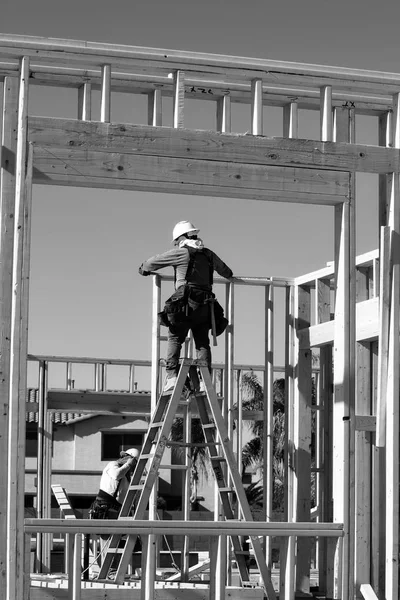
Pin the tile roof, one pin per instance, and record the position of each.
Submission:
(63, 418)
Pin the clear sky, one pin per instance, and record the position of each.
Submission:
(87, 298)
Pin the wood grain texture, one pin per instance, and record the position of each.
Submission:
(211, 146)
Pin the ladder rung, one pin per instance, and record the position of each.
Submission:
(136, 487)
(218, 458)
(227, 490)
(153, 425)
(209, 426)
(184, 402)
(146, 456)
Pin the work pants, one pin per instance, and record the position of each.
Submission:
(199, 323)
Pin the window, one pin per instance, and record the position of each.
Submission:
(112, 443)
(31, 440)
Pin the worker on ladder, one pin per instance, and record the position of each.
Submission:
(193, 305)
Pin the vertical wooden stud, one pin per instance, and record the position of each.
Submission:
(155, 361)
(344, 345)
(224, 114)
(345, 378)
(363, 515)
(105, 108)
(324, 423)
(287, 553)
(268, 416)
(179, 99)
(302, 437)
(85, 102)
(27, 567)
(392, 403)
(76, 569)
(7, 200)
(18, 354)
(385, 138)
(326, 123)
(378, 495)
(383, 351)
(187, 438)
(290, 120)
(256, 107)
(155, 107)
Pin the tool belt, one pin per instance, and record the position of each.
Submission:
(104, 507)
(187, 299)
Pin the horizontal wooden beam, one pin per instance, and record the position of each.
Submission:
(101, 403)
(206, 528)
(200, 88)
(90, 402)
(67, 52)
(113, 170)
(365, 423)
(366, 327)
(47, 589)
(140, 140)
(363, 260)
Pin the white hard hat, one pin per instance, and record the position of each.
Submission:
(134, 452)
(183, 227)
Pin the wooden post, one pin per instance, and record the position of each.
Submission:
(378, 500)
(47, 470)
(268, 416)
(344, 395)
(378, 526)
(290, 120)
(224, 114)
(345, 243)
(363, 487)
(7, 200)
(213, 541)
(27, 566)
(85, 102)
(179, 99)
(324, 420)
(385, 254)
(326, 122)
(155, 107)
(105, 110)
(256, 107)
(187, 438)
(385, 138)
(392, 403)
(18, 353)
(77, 567)
(41, 460)
(326, 547)
(302, 436)
(151, 557)
(287, 553)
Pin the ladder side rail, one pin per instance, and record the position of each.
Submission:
(216, 460)
(237, 482)
(155, 461)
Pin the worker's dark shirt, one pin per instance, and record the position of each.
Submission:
(179, 259)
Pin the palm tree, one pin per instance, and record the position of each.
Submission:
(252, 452)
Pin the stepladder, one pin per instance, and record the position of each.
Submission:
(193, 382)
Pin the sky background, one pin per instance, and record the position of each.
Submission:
(86, 297)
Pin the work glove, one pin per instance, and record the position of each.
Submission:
(143, 272)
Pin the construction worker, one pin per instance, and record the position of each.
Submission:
(114, 484)
(191, 306)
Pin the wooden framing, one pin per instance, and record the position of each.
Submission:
(224, 164)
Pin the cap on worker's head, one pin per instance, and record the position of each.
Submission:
(182, 228)
(134, 452)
